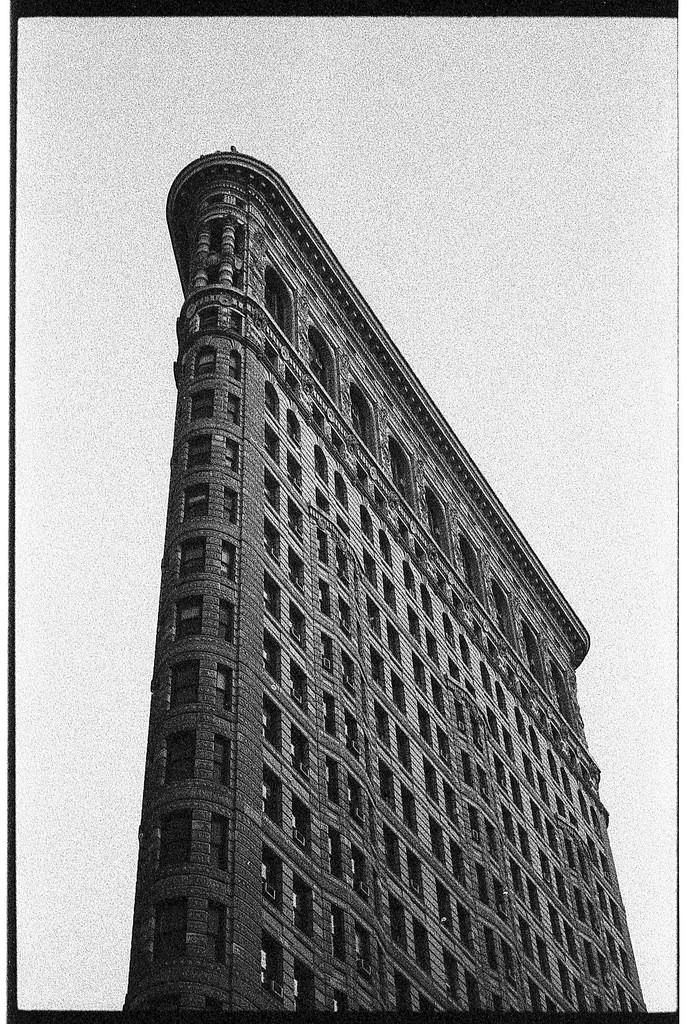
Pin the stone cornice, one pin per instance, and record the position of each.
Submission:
(265, 182)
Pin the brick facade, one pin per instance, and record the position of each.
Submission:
(350, 620)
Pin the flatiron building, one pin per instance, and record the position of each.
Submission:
(367, 782)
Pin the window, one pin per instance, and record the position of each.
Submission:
(277, 300)
(232, 454)
(321, 360)
(450, 802)
(337, 932)
(430, 780)
(272, 443)
(397, 919)
(532, 651)
(271, 875)
(398, 691)
(184, 683)
(301, 823)
(503, 616)
(385, 548)
(354, 799)
(445, 914)
(272, 797)
(216, 931)
(294, 472)
(403, 747)
(271, 655)
(424, 724)
(533, 897)
(431, 647)
(366, 524)
(223, 687)
(176, 839)
(295, 518)
(228, 559)
(473, 1000)
(382, 724)
(344, 615)
(196, 501)
(409, 813)
(271, 597)
(299, 747)
(421, 945)
(392, 850)
(329, 713)
(271, 540)
(188, 616)
(482, 887)
(388, 592)
(271, 490)
(298, 630)
(234, 409)
(271, 401)
(403, 997)
(400, 469)
(437, 844)
(180, 748)
(219, 842)
(362, 418)
(226, 621)
(436, 519)
(221, 760)
(393, 640)
(271, 964)
(205, 362)
(199, 451)
(229, 505)
(335, 855)
(293, 428)
(302, 905)
(340, 489)
(470, 566)
(202, 405)
(170, 932)
(413, 623)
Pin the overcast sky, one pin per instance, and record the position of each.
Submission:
(502, 191)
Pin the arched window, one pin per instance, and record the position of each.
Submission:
(277, 301)
(436, 519)
(320, 464)
(385, 546)
(532, 649)
(400, 469)
(505, 620)
(470, 567)
(271, 399)
(205, 362)
(365, 522)
(293, 428)
(321, 361)
(340, 489)
(362, 418)
(235, 365)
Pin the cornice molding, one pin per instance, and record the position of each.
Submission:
(252, 174)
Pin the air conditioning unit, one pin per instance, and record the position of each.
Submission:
(363, 966)
(295, 634)
(362, 888)
(299, 837)
(475, 835)
(352, 746)
(415, 887)
(303, 768)
(296, 695)
(327, 663)
(269, 891)
(277, 989)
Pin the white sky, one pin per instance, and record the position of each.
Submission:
(503, 193)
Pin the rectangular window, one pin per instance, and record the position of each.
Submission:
(397, 919)
(271, 540)
(393, 640)
(271, 655)
(170, 932)
(408, 808)
(202, 404)
(196, 501)
(229, 505)
(295, 518)
(271, 875)
(302, 905)
(329, 714)
(294, 472)
(184, 683)
(335, 853)
(180, 754)
(421, 945)
(226, 621)
(271, 490)
(228, 560)
(219, 842)
(217, 916)
(221, 760)
(337, 932)
(272, 796)
(223, 687)
(199, 451)
(234, 409)
(272, 443)
(301, 824)
(176, 838)
(188, 617)
(232, 454)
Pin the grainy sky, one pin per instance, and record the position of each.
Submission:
(503, 193)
